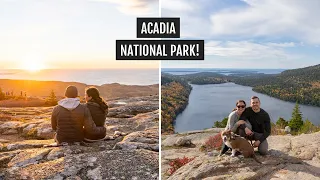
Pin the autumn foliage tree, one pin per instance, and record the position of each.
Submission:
(174, 99)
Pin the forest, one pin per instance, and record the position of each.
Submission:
(174, 99)
(297, 85)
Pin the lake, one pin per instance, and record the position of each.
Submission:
(88, 76)
(210, 103)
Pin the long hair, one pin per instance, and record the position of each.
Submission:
(95, 95)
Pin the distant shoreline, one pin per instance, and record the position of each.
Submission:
(39, 88)
(76, 82)
(87, 76)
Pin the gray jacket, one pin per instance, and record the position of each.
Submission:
(232, 122)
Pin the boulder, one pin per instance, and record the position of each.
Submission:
(44, 131)
(28, 144)
(148, 139)
(10, 132)
(55, 153)
(28, 128)
(27, 157)
(287, 129)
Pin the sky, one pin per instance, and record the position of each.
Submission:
(59, 34)
(249, 34)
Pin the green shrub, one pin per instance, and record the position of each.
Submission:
(296, 121)
(221, 124)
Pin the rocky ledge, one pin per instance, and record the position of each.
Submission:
(133, 154)
(289, 157)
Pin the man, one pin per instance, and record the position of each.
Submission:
(261, 127)
(70, 118)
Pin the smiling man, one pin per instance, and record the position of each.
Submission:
(260, 122)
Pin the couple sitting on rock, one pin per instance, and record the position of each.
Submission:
(252, 123)
(75, 122)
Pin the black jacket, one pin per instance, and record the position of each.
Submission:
(71, 124)
(260, 121)
(99, 115)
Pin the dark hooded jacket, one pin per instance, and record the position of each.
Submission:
(70, 120)
(99, 114)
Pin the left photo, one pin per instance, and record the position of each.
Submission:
(68, 108)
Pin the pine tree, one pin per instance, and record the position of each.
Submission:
(296, 121)
(282, 123)
(52, 99)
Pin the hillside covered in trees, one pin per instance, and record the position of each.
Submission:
(298, 85)
(174, 99)
(205, 78)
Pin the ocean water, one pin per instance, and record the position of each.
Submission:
(225, 71)
(88, 76)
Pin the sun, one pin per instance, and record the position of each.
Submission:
(33, 63)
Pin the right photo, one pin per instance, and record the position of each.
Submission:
(251, 108)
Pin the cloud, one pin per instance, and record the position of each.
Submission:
(244, 49)
(136, 7)
(286, 18)
(191, 17)
(286, 44)
(177, 5)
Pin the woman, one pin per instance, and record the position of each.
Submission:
(237, 126)
(98, 109)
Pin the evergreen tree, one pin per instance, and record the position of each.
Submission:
(52, 99)
(282, 123)
(296, 121)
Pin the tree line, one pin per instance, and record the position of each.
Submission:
(298, 85)
(51, 100)
(174, 99)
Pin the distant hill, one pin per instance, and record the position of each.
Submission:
(43, 88)
(174, 99)
(205, 78)
(301, 85)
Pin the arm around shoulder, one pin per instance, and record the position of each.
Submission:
(90, 126)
